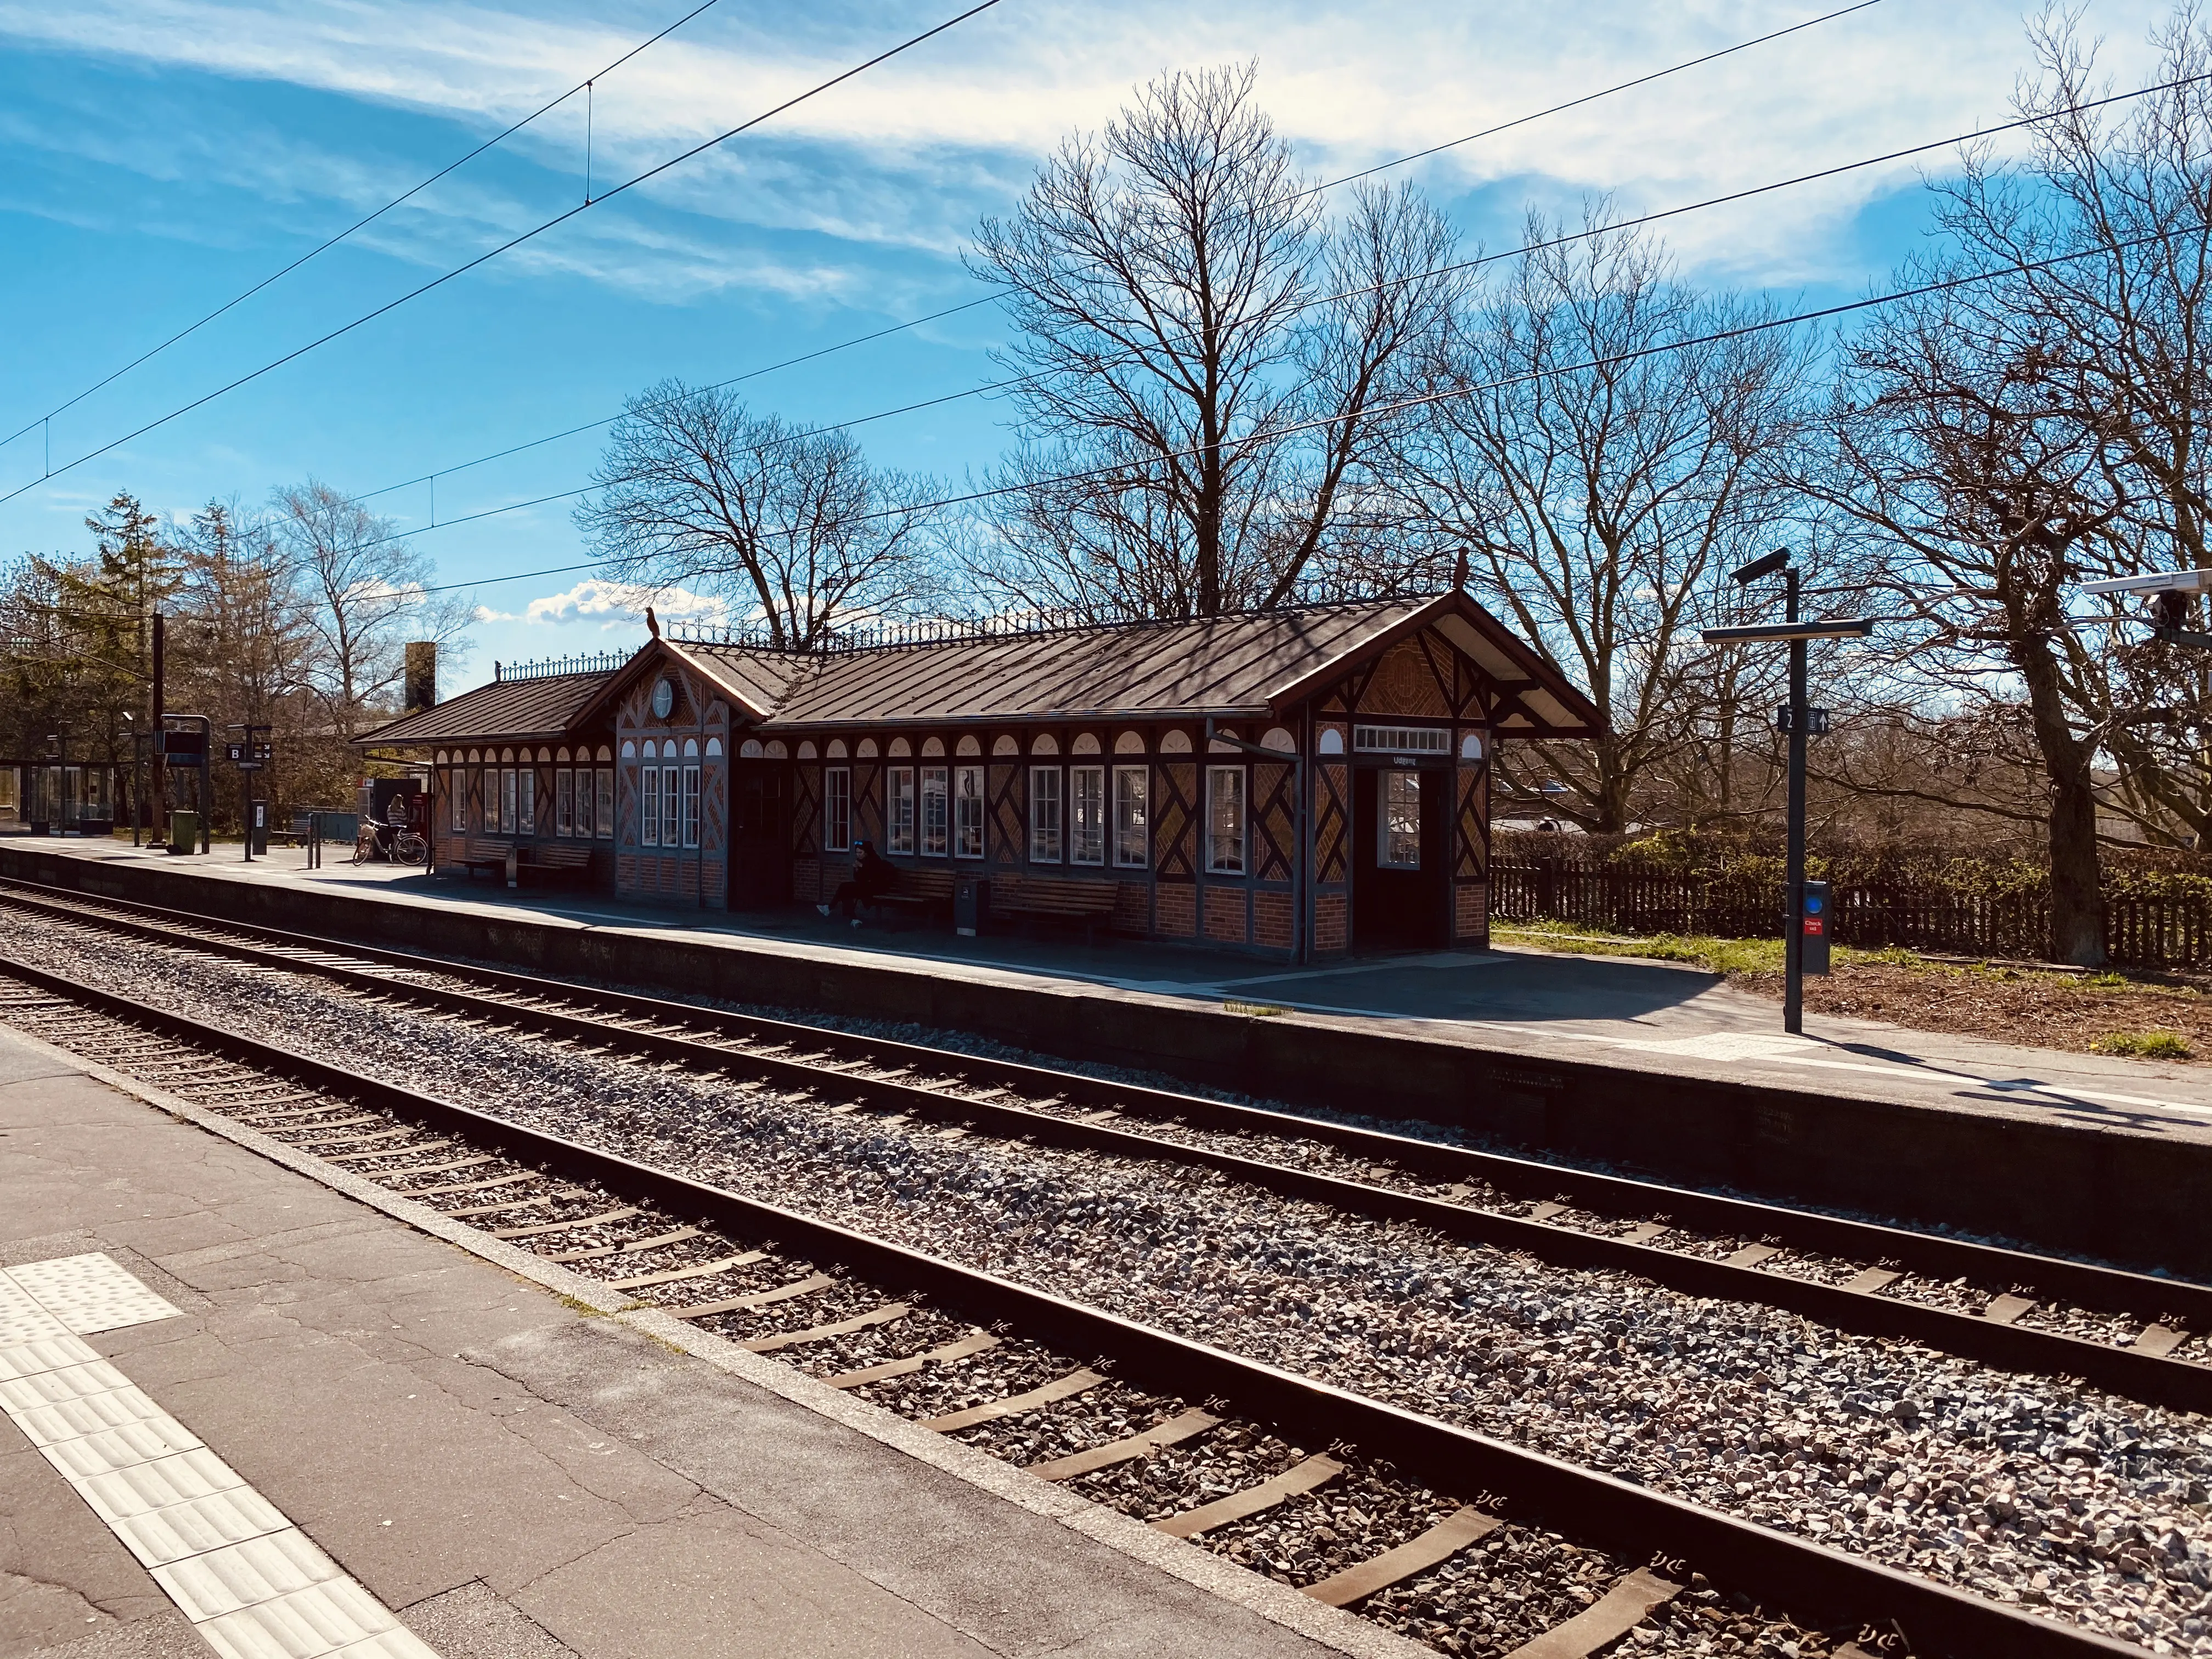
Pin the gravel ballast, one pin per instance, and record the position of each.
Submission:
(2029, 1489)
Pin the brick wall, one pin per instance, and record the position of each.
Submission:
(1471, 912)
(1225, 915)
(806, 881)
(1133, 907)
(1176, 909)
(1272, 921)
(1332, 917)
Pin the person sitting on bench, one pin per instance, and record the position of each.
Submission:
(871, 875)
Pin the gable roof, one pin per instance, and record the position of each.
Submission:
(530, 709)
(1251, 663)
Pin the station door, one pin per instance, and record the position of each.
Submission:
(1401, 886)
(760, 835)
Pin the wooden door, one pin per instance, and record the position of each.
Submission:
(1401, 894)
(760, 835)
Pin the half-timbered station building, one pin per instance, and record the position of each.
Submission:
(1300, 782)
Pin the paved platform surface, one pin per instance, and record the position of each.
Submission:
(513, 1480)
(1639, 1015)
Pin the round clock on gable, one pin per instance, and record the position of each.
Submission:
(664, 698)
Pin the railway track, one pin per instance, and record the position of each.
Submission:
(1475, 1546)
(2133, 1334)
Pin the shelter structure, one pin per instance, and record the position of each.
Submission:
(1298, 782)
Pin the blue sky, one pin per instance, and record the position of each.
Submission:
(158, 156)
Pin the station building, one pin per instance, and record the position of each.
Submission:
(1298, 782)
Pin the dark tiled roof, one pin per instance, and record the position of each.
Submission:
(1130, 668)
(1248, 663)
(530, 708)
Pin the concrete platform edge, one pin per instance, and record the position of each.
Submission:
(1335, 1628)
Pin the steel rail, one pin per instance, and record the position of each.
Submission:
(2137, 1374)
(1513, 1483)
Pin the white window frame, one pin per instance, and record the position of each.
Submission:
(603, 814)
(507, 800)
(457, 810)
(1383, 860)
(1126, 857)
(690, 818)
(526, 800)
(836, 809)
(669, 783)
(1226, 785)
(899, 804)
(648, 807)
(971, 801)
(1087, 840)
(936, 827)
(1048, 816)
(564, 800)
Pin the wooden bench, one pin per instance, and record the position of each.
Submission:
(1086, 902)
(555, 856)
(915, 891)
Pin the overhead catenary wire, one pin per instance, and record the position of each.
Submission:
(988, 299)
(1763, 326)
(1522, 251)
(513, 242)
(362, 224)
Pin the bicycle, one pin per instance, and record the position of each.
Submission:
(406, 846)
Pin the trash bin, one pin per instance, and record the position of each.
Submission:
(260, 828)
(971, 897)
(183, 832)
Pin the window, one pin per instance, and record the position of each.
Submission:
(648, 807)
(668, 782)
(603, 815)
(898, 810)
(1132, 824)
(1398, 833)
(1044, 815)
(1224, 820)
(1401, 739)
(967, 811)
(564, 802)
(1086, 815)
(933, 815)
(526, 801)
(691, 806)
(507, 800)
(457, 812)
(836, 808)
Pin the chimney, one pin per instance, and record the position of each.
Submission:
(421, 675)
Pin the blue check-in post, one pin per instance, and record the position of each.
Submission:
(1814, 927)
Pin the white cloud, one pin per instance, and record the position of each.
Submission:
(908, 154)
(620, 604)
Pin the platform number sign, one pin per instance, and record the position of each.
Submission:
(1815, 921)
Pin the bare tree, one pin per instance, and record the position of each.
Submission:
(2115, 212)
(1604, 461)
(1960, 451)
(793, 530)
(1197, 346)
(365, 595)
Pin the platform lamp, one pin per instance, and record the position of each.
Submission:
(2169, 592)
(1806, 911)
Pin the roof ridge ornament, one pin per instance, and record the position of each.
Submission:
(651, 623)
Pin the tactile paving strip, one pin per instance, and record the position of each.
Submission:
(254, 1585)
(89, 1293)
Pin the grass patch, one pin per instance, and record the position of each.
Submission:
(1255, 1010)
(1718, 956)
(2143, 1045)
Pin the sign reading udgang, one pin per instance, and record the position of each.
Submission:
(1815, 925)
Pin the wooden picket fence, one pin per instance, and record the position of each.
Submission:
(2142, 932)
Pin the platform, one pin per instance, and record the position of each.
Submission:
(1640, 1014)
(495, 1474)
(1647, 1068)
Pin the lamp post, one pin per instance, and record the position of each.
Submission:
(1798, 720)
